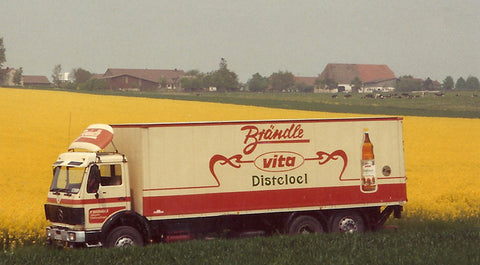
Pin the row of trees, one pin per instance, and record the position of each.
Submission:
(471, 83)
(408, 83)
(82, 79)
(284, 81)
(225, 80)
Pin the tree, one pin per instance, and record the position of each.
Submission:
(193, 72)
(281, 81)
(57, 70)
(460, 84)
(408, 83)
(428, 84)
(192, 83)
(302, 87)
(3, 59)
(17, 77)
(356, 84)
(163, 83)
(448, 83)
(223, 64)
(472, 83)
(223, 79)
(257, 83)
(81, 75)
(327, 83)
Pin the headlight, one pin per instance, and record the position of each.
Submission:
(49, 233)
(72, 237)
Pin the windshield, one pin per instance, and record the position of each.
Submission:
(67, 179)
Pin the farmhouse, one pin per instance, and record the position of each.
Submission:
(36, 81)
(374, 77)
(143, 79)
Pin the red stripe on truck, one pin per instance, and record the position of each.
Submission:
(270, 200)
(87, 201)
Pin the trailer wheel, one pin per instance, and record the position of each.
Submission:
(348, 222)
(124, 236)
(305, 224)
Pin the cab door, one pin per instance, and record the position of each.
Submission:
(107, 193)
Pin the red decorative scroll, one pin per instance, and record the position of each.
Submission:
(236, 161)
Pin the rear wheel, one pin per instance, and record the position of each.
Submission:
(305, 224)
(124, 236)
(348, 222)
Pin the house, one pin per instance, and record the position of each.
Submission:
(374, 77)
(143, 79)
(36, 81)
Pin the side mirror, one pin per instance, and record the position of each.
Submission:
(93, 182)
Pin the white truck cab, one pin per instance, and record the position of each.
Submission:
(87, 188)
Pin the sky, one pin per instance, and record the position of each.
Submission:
(420, 38)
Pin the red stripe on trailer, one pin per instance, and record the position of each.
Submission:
(270, 200)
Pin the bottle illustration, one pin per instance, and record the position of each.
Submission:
(368, 179)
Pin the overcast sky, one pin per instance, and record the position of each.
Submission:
(420, 38)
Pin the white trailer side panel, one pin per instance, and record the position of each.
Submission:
(201, 169)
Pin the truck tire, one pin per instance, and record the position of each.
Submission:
(348, 222)
(124, 236)
(305, 224)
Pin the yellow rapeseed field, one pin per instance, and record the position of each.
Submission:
(442, 154)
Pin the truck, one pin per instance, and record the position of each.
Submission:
(135, 184)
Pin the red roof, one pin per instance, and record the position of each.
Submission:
(309, 81)
(345, 73)
(152, 75)
(35, 79)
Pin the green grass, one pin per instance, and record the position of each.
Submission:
(453, 104)
(449, 105)
(415, 242)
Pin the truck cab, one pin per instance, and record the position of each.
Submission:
(88, 187)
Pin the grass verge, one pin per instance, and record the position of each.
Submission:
(460, 104)
(416, 241)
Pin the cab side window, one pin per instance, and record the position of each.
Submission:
(111, 175)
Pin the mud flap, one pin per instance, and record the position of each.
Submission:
(395, 209)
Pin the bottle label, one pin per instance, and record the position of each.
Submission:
(368, 179)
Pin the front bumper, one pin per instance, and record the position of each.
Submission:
(70, 237)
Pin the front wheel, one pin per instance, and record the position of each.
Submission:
(305, 224)
(348, 222)
(124, 236)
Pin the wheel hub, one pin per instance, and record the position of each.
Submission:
(348, 224)
(124, 242)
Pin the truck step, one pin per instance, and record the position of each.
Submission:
(178, 236)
